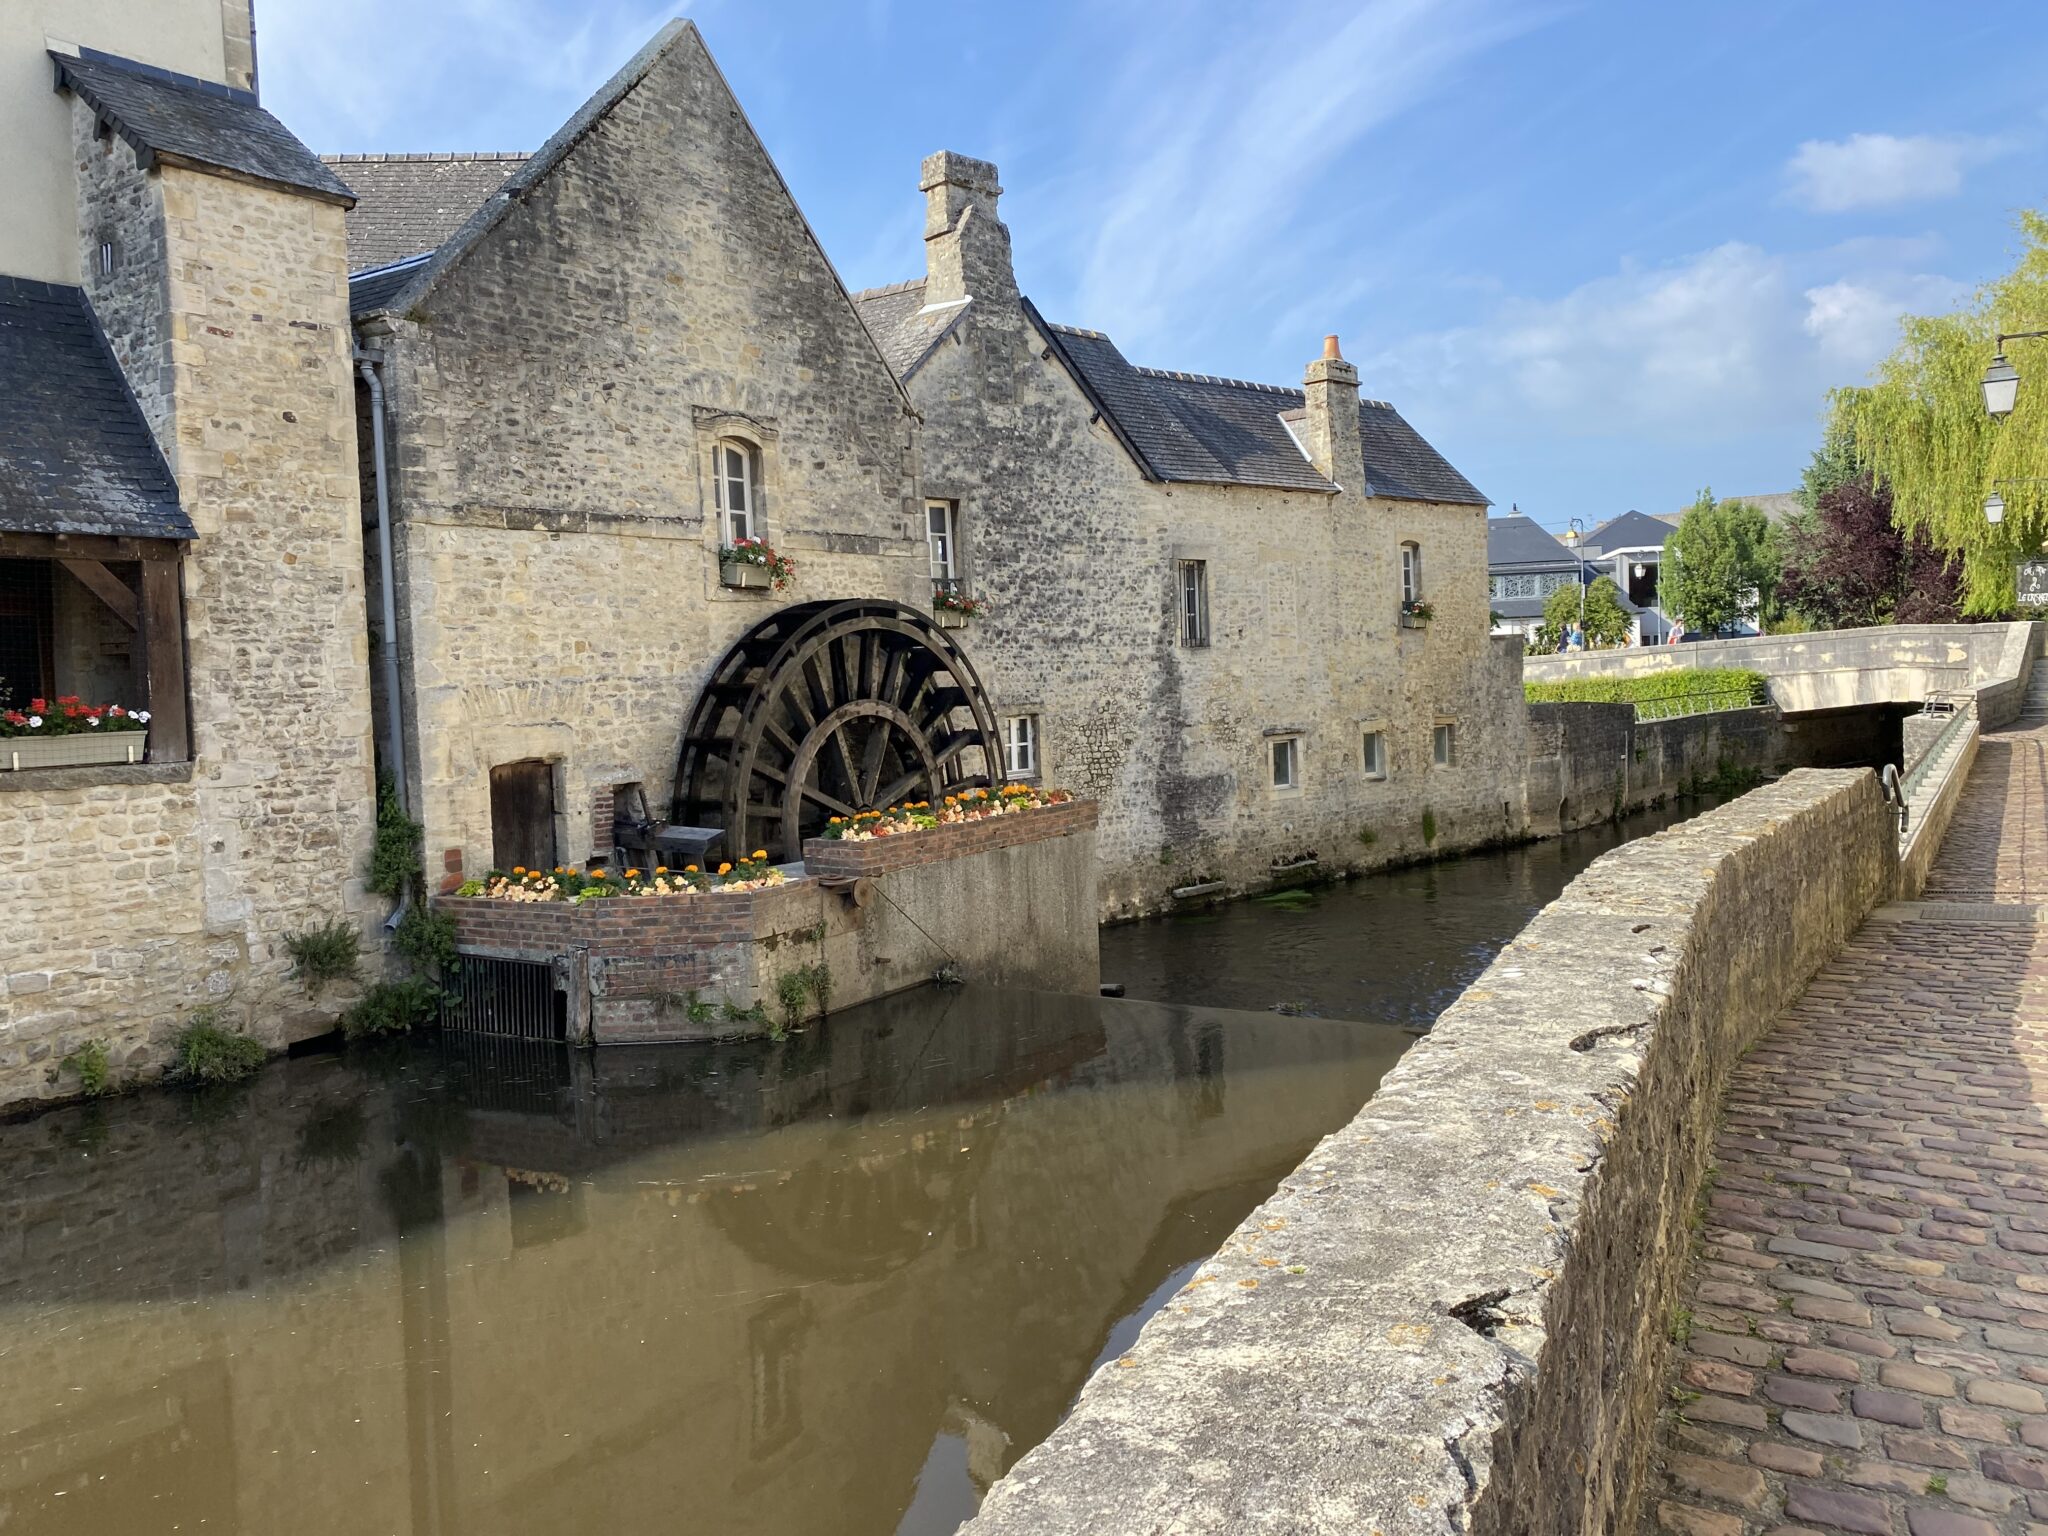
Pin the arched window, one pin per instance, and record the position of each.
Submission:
(1411, 573)
(738, 489)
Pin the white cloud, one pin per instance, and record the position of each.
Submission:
(1212, 180)
(1728, 341)
(1879, 170)
(450, 74)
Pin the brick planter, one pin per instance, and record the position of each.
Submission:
(834, 858)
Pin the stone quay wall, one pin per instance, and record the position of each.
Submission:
(1454, 1314)
(1590, 762)
(1009, 901)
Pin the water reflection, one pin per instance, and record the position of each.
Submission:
(1396, 947)
(834, 1285)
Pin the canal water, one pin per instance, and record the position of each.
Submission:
(835, 1284)
(1395, 948)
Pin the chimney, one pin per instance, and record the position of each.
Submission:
(966, 246)
(1330, 425)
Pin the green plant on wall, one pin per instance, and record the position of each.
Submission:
(206, 1051)
(395, 866)
(794, 989)
(392, 1008)
(95, 1073)
(1428, 826)
(324, 954)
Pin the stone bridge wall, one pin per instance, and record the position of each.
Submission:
(1589, 762)
(1454, 1314)
(1834, 669)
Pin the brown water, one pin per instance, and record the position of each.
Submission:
(838, 1284)
(1396, 947)
(833, 1285)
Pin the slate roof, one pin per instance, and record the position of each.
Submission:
(187, 121)
(76, 455)
(1631, 530)
(902, 327)
(1517, 542)
(406, 205)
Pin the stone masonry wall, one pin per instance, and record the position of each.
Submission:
(142, 894)
(1591, 762)
(554, 403)
(1453, 1315)
(1077, 554)
(1008, 901)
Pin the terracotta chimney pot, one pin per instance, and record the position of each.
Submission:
(1330, 347)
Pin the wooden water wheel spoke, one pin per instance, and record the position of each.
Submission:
(828, 709)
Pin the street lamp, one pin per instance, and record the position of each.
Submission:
(2001, 379)
(1578, 528)
(1994, 508)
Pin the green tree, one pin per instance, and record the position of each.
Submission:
(1606, 620)
(1721, 565)
(1921, 427)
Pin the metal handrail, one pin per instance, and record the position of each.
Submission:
(1707, 703)
(1916, 774)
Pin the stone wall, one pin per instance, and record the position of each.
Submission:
(1591, 762)
(141, 894)
(1835, 669)
(1009, 901)
(554, 402)
(1453, 1315)
(1076, 553)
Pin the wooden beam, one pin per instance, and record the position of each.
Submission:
(86, 546)
(163, 639)
(108, 588)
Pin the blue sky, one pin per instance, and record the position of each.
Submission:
(1601, 254)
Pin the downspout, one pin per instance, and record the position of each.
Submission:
(394, 747)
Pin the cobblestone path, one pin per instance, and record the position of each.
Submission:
(1866, 1342)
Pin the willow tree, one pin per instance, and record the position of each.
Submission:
(1921, 428)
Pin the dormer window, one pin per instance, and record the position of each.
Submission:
(737, 486)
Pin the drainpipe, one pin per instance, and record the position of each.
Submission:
(366, 363)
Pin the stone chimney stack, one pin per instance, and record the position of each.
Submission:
(1330, 427)
(966, 246)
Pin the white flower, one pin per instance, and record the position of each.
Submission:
(92, 719)
(35, 722)
(139, 714)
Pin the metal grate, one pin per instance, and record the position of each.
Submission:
(513, 998)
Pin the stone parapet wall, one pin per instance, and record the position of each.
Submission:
(1453, 1315)
(1010, 900)
(1840, 668)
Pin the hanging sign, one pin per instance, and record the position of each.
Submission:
(2033, 584)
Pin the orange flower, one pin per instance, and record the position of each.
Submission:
(632, 874)
(661, 869)
(760, 853)
(725, 869)
(689, 869)
(518, 869)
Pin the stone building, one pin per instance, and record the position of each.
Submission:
(1251, 620)
(594, 391)
(178, 533)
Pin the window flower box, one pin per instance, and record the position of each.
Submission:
(65, 733)
(952, 607)
(1416, 614)
(753, 564)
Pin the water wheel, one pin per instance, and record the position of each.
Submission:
(827, 709)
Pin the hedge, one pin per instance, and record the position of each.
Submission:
(1676, 690)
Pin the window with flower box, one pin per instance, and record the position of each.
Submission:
(737, 480)
(92, 651)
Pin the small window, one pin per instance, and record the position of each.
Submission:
(1444, 746)
(942, 530)
(738, 501)
(1411, 573)
(1375, 754)
(105, 258)
(1287, 762)
(1194, 602)
(1020, 747)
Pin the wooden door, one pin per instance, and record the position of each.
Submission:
(523, 815)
